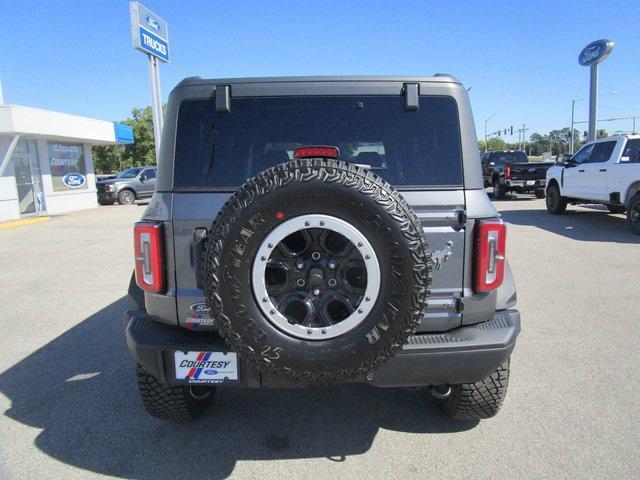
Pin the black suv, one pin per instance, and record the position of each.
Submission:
(314, 231)
(128, 186)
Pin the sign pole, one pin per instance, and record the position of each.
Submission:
(593, 102)
(159, 95)
(154, 105)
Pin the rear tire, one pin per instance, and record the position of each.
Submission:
(178, 404)
(479, 400)
(540, 193)
(616, 209)
(556, 203)
(633, 214)
(498, 190)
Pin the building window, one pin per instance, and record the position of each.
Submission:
(68, 170)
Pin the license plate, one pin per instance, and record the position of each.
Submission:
(206, 367)
(531, 182)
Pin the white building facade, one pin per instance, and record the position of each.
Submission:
(46, 165)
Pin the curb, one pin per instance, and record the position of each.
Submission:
(24, 222)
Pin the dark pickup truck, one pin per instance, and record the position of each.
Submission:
(511, 171)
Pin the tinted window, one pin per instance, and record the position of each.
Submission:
(601, 152)
(583, 154)
(501, 158)
(223, 149)
(150, 173)
(129, 173)
(631, 145)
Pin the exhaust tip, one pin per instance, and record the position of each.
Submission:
(440, 391)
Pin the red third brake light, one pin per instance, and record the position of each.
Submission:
(149, 256)
(310, 152)
(507, 172)
(491, 242)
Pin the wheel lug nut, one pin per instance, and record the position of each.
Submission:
(360, 310)
(367, 299)
(324, 332)
(332, 265)
(265, 299)
(332, 282)
(315, 255)
(309, 332)
(360, 244)
(272, 312)
(367, 257)
(306, 224)
(316, 292)
(300, 282)
(322, 223)
(300, 265)
(270, 245)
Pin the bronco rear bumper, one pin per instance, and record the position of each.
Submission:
(463, 355)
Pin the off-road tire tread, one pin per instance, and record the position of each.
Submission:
(169, 403)
(336, 171)
(479, 400)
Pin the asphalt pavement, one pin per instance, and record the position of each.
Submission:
(70, 409)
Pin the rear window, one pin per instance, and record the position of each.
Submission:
(407, 148)
(509, 157)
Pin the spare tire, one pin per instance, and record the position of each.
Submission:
(317, 271)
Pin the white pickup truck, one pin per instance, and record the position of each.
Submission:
(605, 171)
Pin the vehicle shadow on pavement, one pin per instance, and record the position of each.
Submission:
(96, 421)
(576, 224)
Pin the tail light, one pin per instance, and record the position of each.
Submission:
(507, 172)
(310, 152)
(149, 256)
(491, 242)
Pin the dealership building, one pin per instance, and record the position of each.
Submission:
(46, 165)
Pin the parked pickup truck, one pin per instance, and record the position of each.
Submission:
(510, 171)
(605, 171)
(127, 186)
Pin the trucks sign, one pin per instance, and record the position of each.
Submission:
(149, 32)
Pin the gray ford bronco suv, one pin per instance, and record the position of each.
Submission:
(321, 230)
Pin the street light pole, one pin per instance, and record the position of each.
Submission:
(486, 145)
(573, 110)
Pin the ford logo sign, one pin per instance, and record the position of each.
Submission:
(595, 52)
(153, 23)
(73, 180)
(210, 372)
(200, 307)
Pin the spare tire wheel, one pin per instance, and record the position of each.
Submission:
(317, 271)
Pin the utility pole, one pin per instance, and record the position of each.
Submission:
(521, 137)
(573, 110)
(486, 146)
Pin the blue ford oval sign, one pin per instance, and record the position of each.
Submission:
(595, 52)
(73, 180)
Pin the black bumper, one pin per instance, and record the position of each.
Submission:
(463, 355)
(106, 196)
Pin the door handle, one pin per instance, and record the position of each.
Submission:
(581, 171)
(603, 169)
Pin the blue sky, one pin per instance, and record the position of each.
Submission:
(519, 58)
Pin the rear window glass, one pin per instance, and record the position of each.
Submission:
(509, 157)
(406, 148)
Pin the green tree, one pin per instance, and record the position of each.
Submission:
(115, 158)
